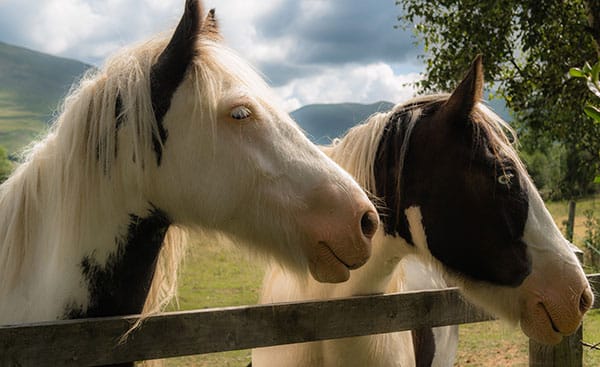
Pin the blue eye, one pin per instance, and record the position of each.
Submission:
(240, 113)
(505, 179)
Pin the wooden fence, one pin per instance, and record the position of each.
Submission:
(92, 342)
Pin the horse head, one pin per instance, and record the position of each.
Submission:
(229, 159)
(463, 198)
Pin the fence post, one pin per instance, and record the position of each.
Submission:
(571, 221)
(568, 353)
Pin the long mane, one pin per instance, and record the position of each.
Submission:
(356, 150)
(78, 165)
(64, 170)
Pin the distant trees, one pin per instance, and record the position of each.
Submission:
(6, 166)
(528, 47)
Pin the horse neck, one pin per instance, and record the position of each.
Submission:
(377, 274)
(82, 250)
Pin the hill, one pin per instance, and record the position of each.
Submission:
(323, 122)
(31, 86)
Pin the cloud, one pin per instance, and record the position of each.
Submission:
(84, 30)
(365, 83)
(293, 39)
(310, 50)
(338, 31)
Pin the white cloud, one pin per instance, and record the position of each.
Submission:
(349, 83)
(88, 30)
(63, 23)
(315, 51)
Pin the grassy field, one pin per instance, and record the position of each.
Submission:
(215, 277)
(18, 127)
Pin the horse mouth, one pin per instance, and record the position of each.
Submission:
(552, 324)
(349, 266)
(326, 266)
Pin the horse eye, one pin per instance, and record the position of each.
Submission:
(240, 113)
(505, 179)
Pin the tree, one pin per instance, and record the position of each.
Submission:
(528, 47)
(6, 166)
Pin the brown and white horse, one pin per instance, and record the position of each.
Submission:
(454, 195)
(175, 135)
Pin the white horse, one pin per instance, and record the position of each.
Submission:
(176, 135)
(455, 195)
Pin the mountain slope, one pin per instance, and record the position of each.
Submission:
(31, 86)
(323, 122)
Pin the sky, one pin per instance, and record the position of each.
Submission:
(310, 51)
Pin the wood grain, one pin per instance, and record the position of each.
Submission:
(91, 342)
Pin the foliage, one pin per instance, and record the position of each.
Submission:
(528, 48)
(6, 166)
(547, 169)
(591, 74)
(591, 240)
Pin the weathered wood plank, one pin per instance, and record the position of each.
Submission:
(94, 341)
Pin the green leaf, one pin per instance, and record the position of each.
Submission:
(576, 73)
(597, 180)
(587, 68)
(595, 72)
(593, 112)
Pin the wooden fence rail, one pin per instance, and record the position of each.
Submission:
(92, 342)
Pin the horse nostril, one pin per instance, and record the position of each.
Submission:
(369, 223)
(586, 300)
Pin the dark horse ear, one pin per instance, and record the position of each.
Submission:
(467, 94)
(171, 65)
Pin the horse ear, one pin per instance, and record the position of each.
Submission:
(468, 93)
(210, 27)
(171, 65)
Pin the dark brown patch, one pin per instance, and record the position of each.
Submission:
(120, 287)
(424, 346)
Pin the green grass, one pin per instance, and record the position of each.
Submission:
(560, 210)
(591, 335)
(31, 86)
(18, 126)
(217, 277)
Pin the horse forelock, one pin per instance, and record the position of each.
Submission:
(500, 136)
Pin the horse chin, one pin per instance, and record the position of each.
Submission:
(550, 309)
(325, 266)
(537, 324)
